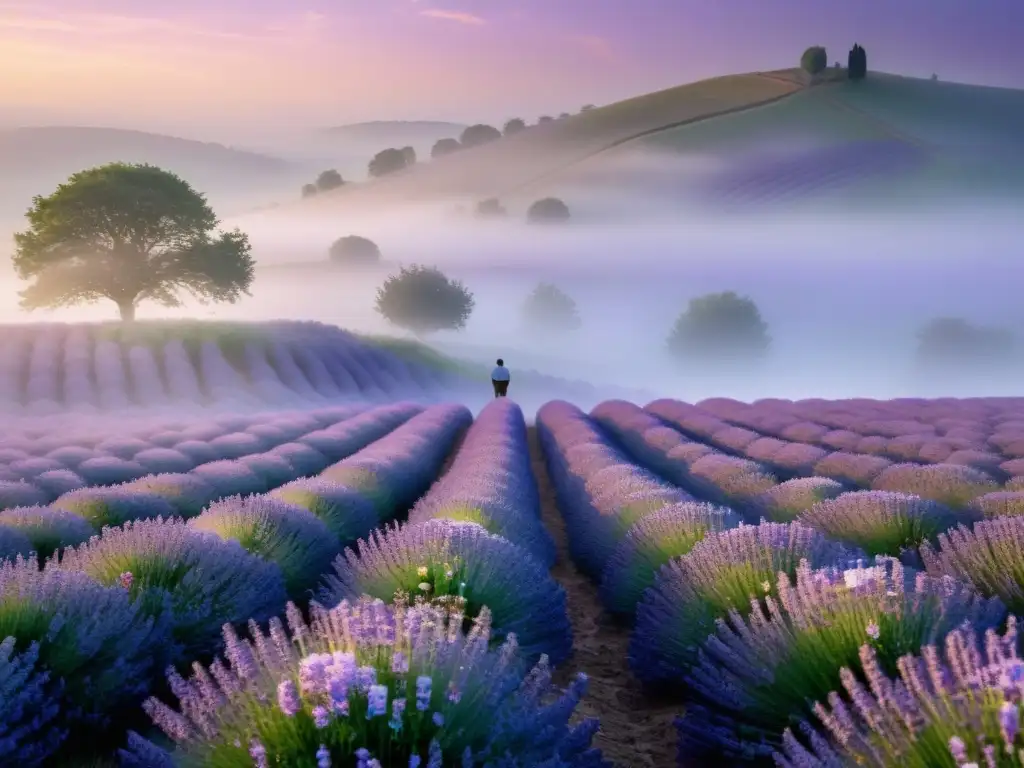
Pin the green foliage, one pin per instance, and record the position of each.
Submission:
(814, 60)
(444, 147)
(354, 250)
(422, 300)
(513, 126)
(490, 208)
(328, 180)
(475, 135)
(550, 309)
(409, 153)
(387, 161)
(128, 233)
(719, 327)
(952, 341)
(547, 210)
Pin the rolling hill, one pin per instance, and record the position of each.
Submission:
(390, 133)
(35, 160)
(742, 139)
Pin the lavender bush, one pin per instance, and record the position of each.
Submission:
(199, 451)
(58, 482)
(186, 493)
(879, 522)
(721, 573)
(348, 515)
(20, 494)
(194, 581)
(858, 469)
(113, 505)
(1000, 504)
(989, 556)
(768, 668)
(785, 502)
(109, 470)
(47, 530)
(368, 684)
(305, 459)
(164, 460)
(950, 484)
(13, 543)
(652, 541)
(951, 709)
(442, 559)
(291, 537)
(28, 708)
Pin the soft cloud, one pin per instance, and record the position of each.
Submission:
(459, 16)
(595, 45)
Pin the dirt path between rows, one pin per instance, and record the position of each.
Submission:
(635, 731)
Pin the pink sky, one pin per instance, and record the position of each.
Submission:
(275, 63)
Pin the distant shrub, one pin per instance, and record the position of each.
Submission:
(548, 309)
(423, 300)
(48, 530)
(490, 208)
(309, 190)
(110, 470)
(934, 77)
(59, 482)
(387, 161)
(957, 346)
(543, 119)
(21, 494)
(353, 250)
(859, 469)
(720, 328)
(564, 116)
(328, 180)
(814, 60)
(409, 153)
(587, 107)
(513, 126)
(230, 478)
(444, 147)
(547, 210)
(475, 135)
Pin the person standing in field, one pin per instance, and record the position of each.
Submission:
(500, 378)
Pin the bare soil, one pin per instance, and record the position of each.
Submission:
(636, 731)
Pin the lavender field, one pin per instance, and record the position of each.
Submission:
(299, 548)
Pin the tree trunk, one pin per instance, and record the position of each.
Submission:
(127, 310)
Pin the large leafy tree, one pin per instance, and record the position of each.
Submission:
(423, 300)
(549, 309)
(128, 233)
(720, 328)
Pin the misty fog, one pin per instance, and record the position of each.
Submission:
(843, 291)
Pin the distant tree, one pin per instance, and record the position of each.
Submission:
(549, 309)
(564, 116)
(422, 300)
(857, 63)
(409, 153)
(329, 180)
(837, 65)
(513, 126)
(934, 77)
(954, 343)
(547, 210)
(308, 190)
(545, 119)
(444, 147)
(490, 208)
(587, 107)
(353, 250)
(128, 233)
(814, 60)
(387, 161)
(719, 328)
(475, 135)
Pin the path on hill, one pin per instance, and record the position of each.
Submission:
(635, 732)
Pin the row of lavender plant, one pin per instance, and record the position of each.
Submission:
(52, 367)
(757, 621)
(165, 587)
(954, 485)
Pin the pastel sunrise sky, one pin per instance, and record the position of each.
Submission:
(183, 64)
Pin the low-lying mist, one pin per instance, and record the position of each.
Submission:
(843, 290)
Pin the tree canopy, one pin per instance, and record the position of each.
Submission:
(857, 63)
(354, 250)
(308, 190)
(719, 328)
(387, 161)
(409, 153)
(490, 208)
(128, 233)
(547, 210)
(549, 309)
(514, 126)
(444, 147)
(952, 341)
(475, 135)
(814, 60)
(423, 300)
(328, 180)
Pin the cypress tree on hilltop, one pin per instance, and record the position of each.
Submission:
(857, 63)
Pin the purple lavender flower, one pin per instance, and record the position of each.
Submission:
(859, 469)
(951, 484)
(28, 707)
(766, 669)
(946, 705)
(288, 700)
(724, 571)
(290, 537)
(57, 482)
(13, 543)
(785, 502)
(164, 460)
(195, 581)
(188, 494)
(346, 513)
(21, 494)
(113, 505)
(504, 712)
(654, 540)
(1000, 504)
(47, 530)
(522, 597)
(230, 478)
(109, 470)
(879, 522)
